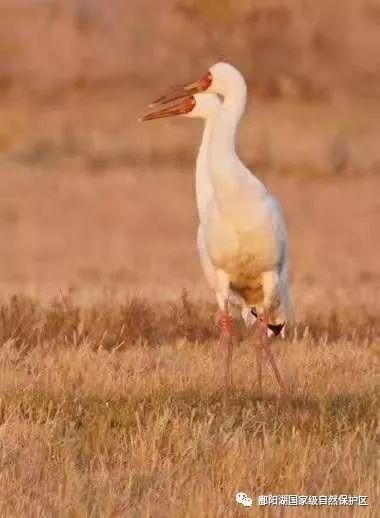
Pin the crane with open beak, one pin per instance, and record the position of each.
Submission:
(243, 239)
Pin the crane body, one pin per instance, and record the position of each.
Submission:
(241, 237)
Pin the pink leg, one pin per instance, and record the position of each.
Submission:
(227, 326)
(262, 322)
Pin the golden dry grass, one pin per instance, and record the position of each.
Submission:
(117, 409)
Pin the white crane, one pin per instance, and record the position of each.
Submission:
(241, 236)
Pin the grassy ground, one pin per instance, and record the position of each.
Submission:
(119, 410)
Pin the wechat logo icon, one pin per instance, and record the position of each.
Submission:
(243, 499)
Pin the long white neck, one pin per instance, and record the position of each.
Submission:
(203, 184)
(228, 174)
(229, 116)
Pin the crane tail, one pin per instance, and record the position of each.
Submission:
(276, 329)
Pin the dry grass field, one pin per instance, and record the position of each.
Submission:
(119, 410)
(112, 401)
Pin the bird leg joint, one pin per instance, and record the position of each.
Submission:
(226, 323)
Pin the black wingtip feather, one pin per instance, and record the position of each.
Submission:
(275, 328)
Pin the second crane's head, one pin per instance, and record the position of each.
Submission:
(202, 106)
(221, 78)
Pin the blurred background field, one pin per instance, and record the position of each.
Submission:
(112, 390)
(92, 199)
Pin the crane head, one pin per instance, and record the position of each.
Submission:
(222, 78)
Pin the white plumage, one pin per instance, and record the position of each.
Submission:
(241, 237)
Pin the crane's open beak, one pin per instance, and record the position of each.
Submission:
(179, 108)
(181, 92)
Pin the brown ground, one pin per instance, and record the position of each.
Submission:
(110, 393)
